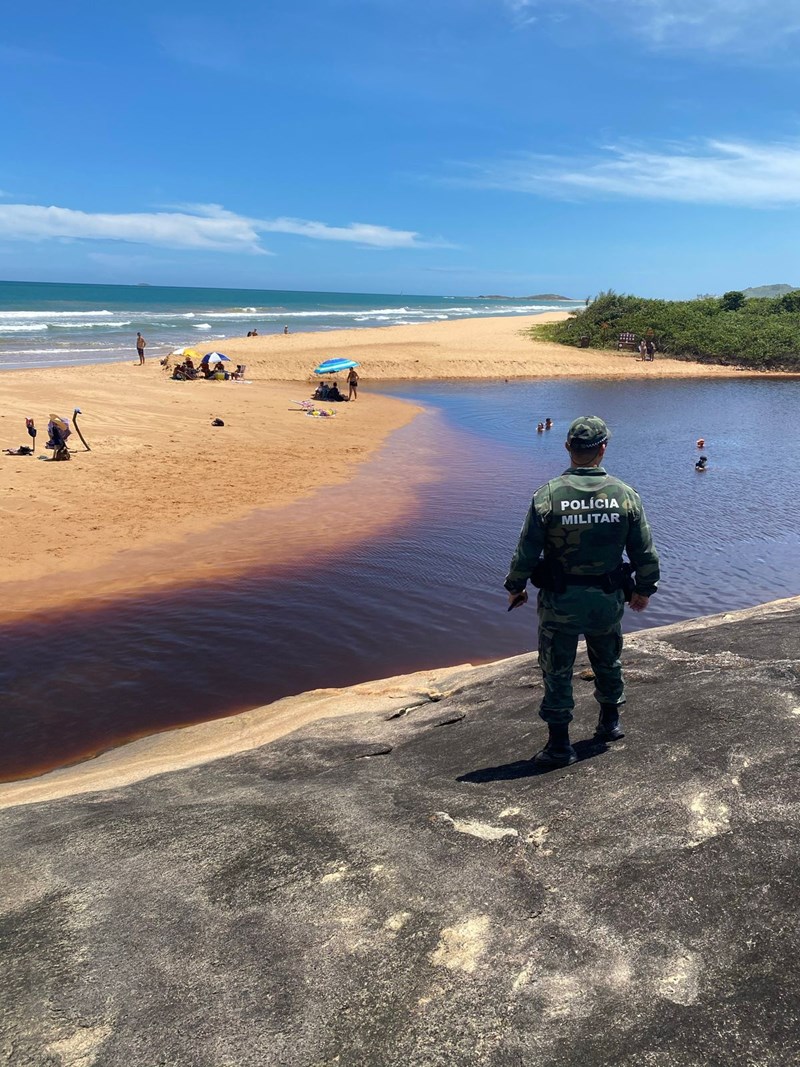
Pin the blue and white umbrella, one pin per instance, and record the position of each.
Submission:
(335, 366)
(215, 357)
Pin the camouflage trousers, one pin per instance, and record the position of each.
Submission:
(563, 617)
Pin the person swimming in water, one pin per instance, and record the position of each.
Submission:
(701, 463)
(540, 428)
(701, 442)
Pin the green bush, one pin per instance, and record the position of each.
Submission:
(758, 333)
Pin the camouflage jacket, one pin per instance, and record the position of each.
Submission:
(585, 519)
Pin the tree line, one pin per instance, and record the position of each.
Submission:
(762, 333)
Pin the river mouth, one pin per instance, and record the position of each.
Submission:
(424, 589)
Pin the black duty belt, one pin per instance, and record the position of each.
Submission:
(587, 579)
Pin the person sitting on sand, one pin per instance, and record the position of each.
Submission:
(189, 368)
(701, 463)
(58, 430)
(321, 392)
(333, 392)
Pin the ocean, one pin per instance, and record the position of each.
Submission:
(45, 324)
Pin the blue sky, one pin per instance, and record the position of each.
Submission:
(451, 146)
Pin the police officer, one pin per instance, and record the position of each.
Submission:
(579, 524)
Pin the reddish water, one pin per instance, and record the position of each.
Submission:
(426, 591)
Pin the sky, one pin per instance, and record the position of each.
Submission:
(438, 147)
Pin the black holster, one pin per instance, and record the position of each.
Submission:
(620, 578)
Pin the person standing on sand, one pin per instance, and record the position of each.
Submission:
(285, 329)
(352, 381)
(579, 524)
(140, 343)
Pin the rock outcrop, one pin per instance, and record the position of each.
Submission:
(401, 887)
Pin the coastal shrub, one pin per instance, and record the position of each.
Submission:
(758, 333)
(732, 300)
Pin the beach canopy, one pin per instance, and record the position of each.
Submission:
(191, 352)
(335, 366)
(215, 357)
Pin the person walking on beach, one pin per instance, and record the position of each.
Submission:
(140, 343)
(352, 381)
(571, 548)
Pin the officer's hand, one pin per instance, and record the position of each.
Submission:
(516, 599)
(639, 602)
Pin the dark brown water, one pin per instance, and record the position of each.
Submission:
(427, 593)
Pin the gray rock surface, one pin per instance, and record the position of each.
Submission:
(403, 888)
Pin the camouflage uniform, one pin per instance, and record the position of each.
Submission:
(583, 520)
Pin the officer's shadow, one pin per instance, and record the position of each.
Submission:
(585, 750)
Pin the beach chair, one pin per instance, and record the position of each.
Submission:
(627, 340)
(238, 374)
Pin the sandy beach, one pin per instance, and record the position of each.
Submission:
(159, 475)
(466, 348)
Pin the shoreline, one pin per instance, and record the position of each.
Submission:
(469, 349)
(161, 492)
(193, 746)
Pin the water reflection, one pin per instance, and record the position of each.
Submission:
(428, 592)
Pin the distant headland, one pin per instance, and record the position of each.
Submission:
(535, 296)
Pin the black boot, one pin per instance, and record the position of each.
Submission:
(558, 752)
(608, 727)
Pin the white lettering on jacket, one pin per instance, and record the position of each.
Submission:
(590, 505)
(587, 520)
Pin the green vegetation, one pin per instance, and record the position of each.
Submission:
(760, 333)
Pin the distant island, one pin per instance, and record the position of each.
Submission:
(536, 296)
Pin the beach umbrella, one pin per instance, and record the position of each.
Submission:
(335, 366)
(215, 357)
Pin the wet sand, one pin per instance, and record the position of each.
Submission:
(159, 475)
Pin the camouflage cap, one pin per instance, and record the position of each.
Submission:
(588, 431)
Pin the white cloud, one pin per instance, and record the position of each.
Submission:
(699, 25)
(196, 226)
(211, 227)
(711, 172)
(359, 232)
